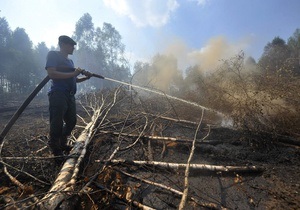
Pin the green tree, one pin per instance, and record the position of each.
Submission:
(88, 55)
(113, 49)
(21, 72)
(101, 51)
(84, 32)
(294, 46)
(84, 35)
(5, 36)
(274, 56)
(140, 73)
(40, 54)
(111, 43)
(5, 33)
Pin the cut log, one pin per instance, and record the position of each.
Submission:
(193, 166)
(65, 180)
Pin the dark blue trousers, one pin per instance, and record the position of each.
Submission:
(62, 108)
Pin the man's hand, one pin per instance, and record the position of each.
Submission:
(78, 71)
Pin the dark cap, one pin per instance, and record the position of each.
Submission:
(66, 40)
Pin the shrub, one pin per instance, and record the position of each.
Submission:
(256, 100)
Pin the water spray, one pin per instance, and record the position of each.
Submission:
(159, 93)
(154, 91)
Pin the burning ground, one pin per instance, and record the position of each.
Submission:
(136, 146)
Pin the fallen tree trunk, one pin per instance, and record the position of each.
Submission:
(61, 187)
(192, 166)
(66, 179)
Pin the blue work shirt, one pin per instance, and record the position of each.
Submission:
(62, 64)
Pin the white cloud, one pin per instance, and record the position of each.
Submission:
(155, 13)
(51, 39)
(200, 2)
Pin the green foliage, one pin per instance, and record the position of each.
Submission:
(275, 55)
(23, 61)
(40, 53)
(294, 46)
(84, 32)
(17, 60)
(5, 36)
(5, 33)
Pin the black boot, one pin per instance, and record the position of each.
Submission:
(64, 144)
(57, 152)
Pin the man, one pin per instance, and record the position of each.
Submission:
(62, 105)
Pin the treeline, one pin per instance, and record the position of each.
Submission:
(22, 65)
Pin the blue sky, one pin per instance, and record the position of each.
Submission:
(193, 30)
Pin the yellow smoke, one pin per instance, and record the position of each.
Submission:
(164, 70)
(209, 57)
(215, 52)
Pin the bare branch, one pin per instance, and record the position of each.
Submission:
(193, 166)
(187, 169)
(13, 179)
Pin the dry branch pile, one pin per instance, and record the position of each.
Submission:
(135, 153)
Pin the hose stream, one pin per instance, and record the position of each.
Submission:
(164, 94)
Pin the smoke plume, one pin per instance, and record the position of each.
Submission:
(208, 57)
